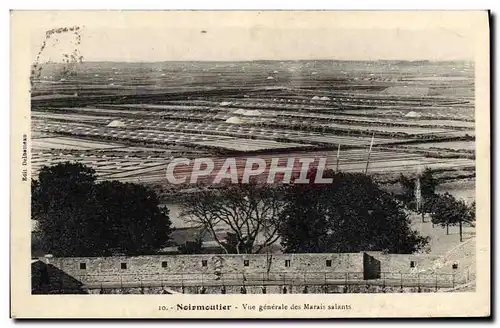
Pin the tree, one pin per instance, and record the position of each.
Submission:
(233, 244)
(191, 247)
(61, 198)
(129, 219)
(472, 214)
(408, 194)
(247, 211)
(79, 217)
(428, 186)
(449, 211)
(351, 214)
(428, 183)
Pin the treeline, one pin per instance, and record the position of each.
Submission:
(79, 217)
(351, 213)
(419, 194)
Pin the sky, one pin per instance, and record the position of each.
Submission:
(210, 40)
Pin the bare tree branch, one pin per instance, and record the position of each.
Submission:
(246, 210)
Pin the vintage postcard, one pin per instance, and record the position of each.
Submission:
(250, 164)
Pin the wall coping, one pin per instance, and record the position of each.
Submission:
(241, 256)
(187, 256)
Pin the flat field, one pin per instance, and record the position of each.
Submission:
(129, 120)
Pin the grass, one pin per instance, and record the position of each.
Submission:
(440, 242)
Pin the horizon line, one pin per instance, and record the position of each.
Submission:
(270, 60)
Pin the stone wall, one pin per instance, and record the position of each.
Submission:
(254, 270)
(122, 269)
(405, 263)
(417, 268)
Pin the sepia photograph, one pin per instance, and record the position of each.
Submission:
(251, 153)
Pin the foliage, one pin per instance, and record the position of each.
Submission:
(449, 211)
(351, 214)
(428, 183)
(428, 186)
(79, 217)
(472, 214)
(248, 211)
(131, 219)
(191, 247)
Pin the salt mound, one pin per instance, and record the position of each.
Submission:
(239, 111)
(234, 120)
(270, 78)
(225, 103)
(316, 98)
(412, 114)
(116, 123)
(324, 98)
